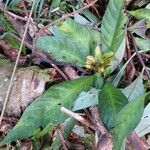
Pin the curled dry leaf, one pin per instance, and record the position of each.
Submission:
(29, 83)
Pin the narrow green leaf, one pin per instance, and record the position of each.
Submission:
(112, 25)
(61, 50)
(6, 24)
(118, 56)
(111, 101)
(117, 78)
(46, 109)
(127, 120)
(143, 13)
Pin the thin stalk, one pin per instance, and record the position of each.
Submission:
(15, 66)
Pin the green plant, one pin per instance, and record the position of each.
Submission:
(76, 44)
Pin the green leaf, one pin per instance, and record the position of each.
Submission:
(46, 109)
(90, 16)
(142, 13)
(111, 101)
(118, 56)
(78, 35)
(86, 99)
(135, 89)
(14, 2)
(126, 121)
(69, 43)
(60, 49)
(112, 26)
(6, 24)
(143, 44)
(39, 134)
(55, 3)
(117, 78)
(15, 43)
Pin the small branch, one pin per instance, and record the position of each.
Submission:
(60, 72)
(19, 39)
(15, 66)
(97, 121)
(104, 137)
(77, 117)
(60, 135)
(2, 8)
(71, 14)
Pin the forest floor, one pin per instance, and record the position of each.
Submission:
(75, 74)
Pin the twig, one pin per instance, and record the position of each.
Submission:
(60, 135)
(16, 16)
(2, 8)
(15, 66)
(19, 39)
(97, 121)
(136, 142)
(60, 72)
(71, 14)
(104, 137)
(77, 117)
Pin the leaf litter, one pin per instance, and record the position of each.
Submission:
(52, 74)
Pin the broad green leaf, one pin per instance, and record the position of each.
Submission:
(71, 43)
(127, 120)
(135, 89)
(60, 49)
(111, 101)
(78, 35)
(86, 99)
(142, 13)
(46, 109)
(143, 44)
(113, 23)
